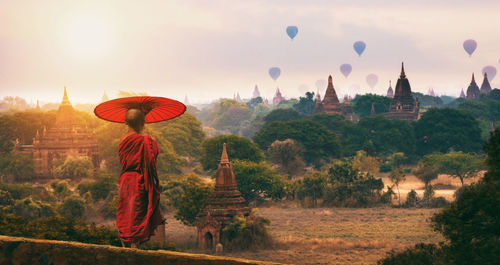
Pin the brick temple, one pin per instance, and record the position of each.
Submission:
(224, 203)
(331, 105)
(403, 106)
(66, 138)
(473, 90)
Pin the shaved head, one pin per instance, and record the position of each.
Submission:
(135, 119)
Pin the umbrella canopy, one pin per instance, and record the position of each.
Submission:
(156, 108)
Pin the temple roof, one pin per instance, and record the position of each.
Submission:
(65, 100)
(390, 92)
(403, 89)
(330, 94)
(485, 87)
(473, 89)
(65, 116)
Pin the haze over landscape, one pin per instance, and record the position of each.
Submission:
(212, 49)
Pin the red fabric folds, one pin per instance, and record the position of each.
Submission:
(138, 212)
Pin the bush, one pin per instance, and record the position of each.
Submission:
(30, 208)
(99, 189)
(246, 233)
(58, 228)
(411, 199)
(385, 167)
(438, 202)
(73, 206)
(5, 198)
(74, 167)
(420, 254)
(61, 188)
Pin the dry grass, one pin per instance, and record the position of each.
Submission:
(329, 235)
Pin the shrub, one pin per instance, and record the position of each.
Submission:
(5, 198)
(99, 189)
(74, 167)
(420, 254)
(30, 208)
(245, 233)
(61, 188)
(411, 199)
(72, 206)
(385, 167)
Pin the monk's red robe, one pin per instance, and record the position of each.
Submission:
(138, 213)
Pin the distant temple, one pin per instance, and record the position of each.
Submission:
(430, 92)
(485, 87)
(66, 138)
(224, 203)
(473, 89)
(347, 110)
(462, 94)
(403, 106)
(256, 92)
(277, 97)
(331, 105)
(390, 92)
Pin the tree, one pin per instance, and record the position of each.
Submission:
(282, 115)
(193, 195)
(17, 165)
(237, 148)
(184, 132)
(362, 104)
(366, 163)
(73, 207)
(257, 181)
(427, 101)
(319, 144)
(384, 136)
(426, 170)
(313, 186)
(306, 104)
(287, 154)
(397, 176)
(459, 165)
(74, 168)
(440, 130)
(246, 233)
(254, 102)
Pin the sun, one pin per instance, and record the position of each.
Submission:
(87, 36)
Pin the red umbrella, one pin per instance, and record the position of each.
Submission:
(156, 108)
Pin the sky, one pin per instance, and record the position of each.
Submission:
(211, 49)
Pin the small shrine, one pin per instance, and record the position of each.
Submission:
(224, 203)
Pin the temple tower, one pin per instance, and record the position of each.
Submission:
(224, 203)
(330, 103)
(256, 92)
(462, 94)
(473, 89)
(277, 97)
(485, 86)
(403, 106)
(390, 92)
(347, 110)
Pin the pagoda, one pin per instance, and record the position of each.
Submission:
(224, 203)
(485, 86)
(462, 94)
(330, 103)
(473, 89)
(390, 92)
(347, 110)
(403, 106)
(277, 97)
(66, 138)
(256, 92)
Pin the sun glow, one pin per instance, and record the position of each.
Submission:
(87, 37)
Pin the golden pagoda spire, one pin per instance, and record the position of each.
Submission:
(224, 159)
(65, 100)
(403, 75)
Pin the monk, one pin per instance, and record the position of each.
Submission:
(138, 213)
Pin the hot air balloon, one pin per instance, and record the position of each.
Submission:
(320, 84)
(292, 31)
(346, 69)
(491, 71)
(371, 80)
(274, 72)
(470, 46)
(359, 47)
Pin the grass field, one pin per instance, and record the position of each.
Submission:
(329, 235)
(337, 235)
